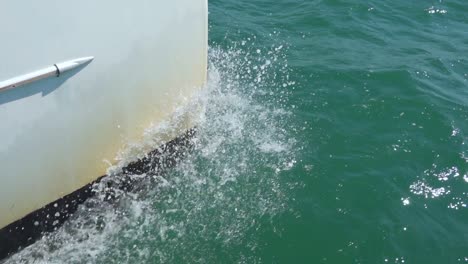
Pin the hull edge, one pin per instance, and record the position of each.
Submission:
(49, 218)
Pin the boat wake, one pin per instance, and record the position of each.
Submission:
(216, 203)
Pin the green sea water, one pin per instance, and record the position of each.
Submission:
(331, 132)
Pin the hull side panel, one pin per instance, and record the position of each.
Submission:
(59, 134)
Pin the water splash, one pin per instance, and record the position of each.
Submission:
(215, 204)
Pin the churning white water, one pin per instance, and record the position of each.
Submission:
(217, 199)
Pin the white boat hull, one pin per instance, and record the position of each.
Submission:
(56, 134)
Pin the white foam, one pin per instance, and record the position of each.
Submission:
(229, 186)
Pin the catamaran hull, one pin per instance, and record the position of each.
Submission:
(125, 65)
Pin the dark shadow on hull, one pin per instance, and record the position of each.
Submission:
(32, 227)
